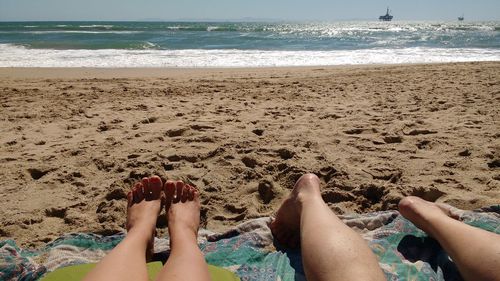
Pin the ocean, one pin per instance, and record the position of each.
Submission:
(244, 44)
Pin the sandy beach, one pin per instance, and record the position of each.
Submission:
(74, 140)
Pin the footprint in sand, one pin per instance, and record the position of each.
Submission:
(417, 132)
(258, 132)
(149, 120)
(267, 191)
(56, 212)
(427, 193)
(202, 128)
(393, 139)
(176, 132)
(249, 162)
(285, 153)
(355, 131)
(494, 164)
(423, 144)
(38, 173)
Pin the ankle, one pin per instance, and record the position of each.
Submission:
(182, 239)
(143, 237)
(178, 231)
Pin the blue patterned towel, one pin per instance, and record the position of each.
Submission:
(404, 252)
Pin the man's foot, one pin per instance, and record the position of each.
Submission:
(183, 210)
(144, 206)
(286, 226)
(425, 214)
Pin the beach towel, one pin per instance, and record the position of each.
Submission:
(79, 271)
(248, 250)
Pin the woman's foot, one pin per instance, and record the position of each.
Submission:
(186, 261)
(425, 214)
(183, 210)
(286, 226)
(144, 206)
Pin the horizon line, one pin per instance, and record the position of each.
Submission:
(239, 20)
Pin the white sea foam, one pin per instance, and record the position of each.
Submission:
(17, 56)
(79, 31)
(96, 26)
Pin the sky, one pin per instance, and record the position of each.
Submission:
(288, 10)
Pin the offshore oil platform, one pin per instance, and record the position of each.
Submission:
(386, 17)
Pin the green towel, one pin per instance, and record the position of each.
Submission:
(77, 272)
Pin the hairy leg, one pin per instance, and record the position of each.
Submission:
(186, 261)
(330, 249)
(127, 261)
(476, 252)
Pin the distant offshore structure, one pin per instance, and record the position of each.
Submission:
(461, 18)
(386, 17)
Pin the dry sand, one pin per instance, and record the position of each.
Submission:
(73, 140)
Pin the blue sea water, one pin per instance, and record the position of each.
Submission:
(244, 44)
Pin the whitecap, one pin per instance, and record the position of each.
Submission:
(19, 56)
(96, 25)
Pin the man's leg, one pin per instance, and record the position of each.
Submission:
(330, 249)
(476, 252)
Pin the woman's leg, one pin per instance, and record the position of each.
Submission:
(476, 252)
(186, 261)
(330, 249)
(127, 261)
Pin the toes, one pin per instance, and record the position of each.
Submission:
(196, 194)
(169, 190)
(130, 198)
(145, 182)
(147, 188)
(450, 211)
(138, 192)
(178, 191)
(179, 186)
(191, 192)
(185, 193)
(152, 191)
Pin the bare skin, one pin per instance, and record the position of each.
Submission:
(476, 252)
(127, 261)
(330, 249)
(186, 261)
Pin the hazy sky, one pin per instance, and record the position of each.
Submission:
(321, 10)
